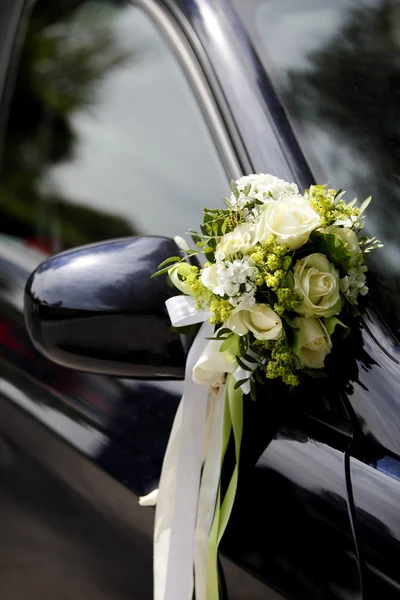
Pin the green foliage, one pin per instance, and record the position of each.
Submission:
(333, 248)
(332, 323)
(368, 244)
(315, 373)
(239, 383)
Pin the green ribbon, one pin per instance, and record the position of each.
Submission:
(183, 270)
(233, 420)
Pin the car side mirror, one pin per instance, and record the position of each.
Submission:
(96, 309)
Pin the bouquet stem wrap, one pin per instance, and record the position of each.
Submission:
(191, 515)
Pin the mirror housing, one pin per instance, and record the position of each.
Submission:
(95, 309)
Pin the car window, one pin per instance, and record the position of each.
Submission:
(105, 137)
(336, 67)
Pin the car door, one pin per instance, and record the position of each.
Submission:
(334, 67)
(375, 459)
(293, 521)
(94, 149)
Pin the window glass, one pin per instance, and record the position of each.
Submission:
(105, 137)
(336, 67)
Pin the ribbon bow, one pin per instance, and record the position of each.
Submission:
(191, 516)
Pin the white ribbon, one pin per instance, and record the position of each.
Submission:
(209, 487)
(182, 311)
(176, 512)
(185, 510)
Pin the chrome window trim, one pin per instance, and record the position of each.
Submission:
(175, 37)
(259, 120)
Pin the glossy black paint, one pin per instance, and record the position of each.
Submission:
(375, 395)
(376, 487)
(97, 309)
(291, 522)
(292, 525)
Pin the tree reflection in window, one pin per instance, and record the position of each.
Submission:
(64, 54)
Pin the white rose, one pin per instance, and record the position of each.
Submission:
(209, 278)
(291, 220)
(350, 240)
(238, 240)
(317, 281)
(260, 319)
(312, 342)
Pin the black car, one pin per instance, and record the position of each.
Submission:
(121, 119)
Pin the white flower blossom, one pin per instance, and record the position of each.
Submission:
(260, 319)
(238, 240)
(263, 187)
(312, 342)
(236, 279)
(354, 283)
(291, 220)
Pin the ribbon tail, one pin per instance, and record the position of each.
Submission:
(233, 421)
(165, 507)
(209, 487)
(176, 512)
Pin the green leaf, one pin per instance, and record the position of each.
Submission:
(225, 226)
(239, 383)
(172, 259)
(250, 359)
(242, 364)
(206, 230)
(160, 272)
(365, 205)
(259, 377)
(333, 248)
(331, 324)
(224, 331)
(243, 344)
(352, 310)
(253, 390)
(193, 232)
(316, 373)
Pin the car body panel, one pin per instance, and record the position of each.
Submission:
(104, 438)
(375, 479)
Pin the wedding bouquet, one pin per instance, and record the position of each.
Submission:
(284, 270)
(282, 279)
